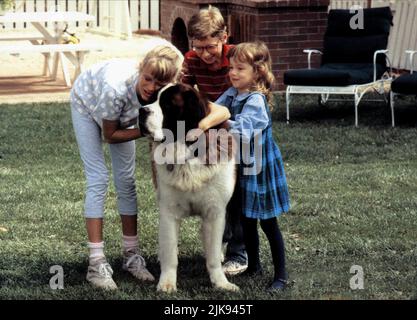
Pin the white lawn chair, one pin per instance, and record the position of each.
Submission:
(354, 61)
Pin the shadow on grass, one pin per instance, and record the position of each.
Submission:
(30, 279)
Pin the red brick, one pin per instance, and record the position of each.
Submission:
(288, 45)
(317, 23)
(297, 51)
(309, 30)
(291, 59)
(270, 32)
(300, 38)
(313, 44)
(311, 16)
(316, 36)
(296, 23)
(290, 16)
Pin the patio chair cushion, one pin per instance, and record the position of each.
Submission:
(345, 44)
(405, 84)
(354, 49)
(376, 21)
(333, 74)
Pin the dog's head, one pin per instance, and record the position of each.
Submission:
(176, 102)
(178, 110)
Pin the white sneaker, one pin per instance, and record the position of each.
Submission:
(100, 275)
(233, 267)
(136, 265)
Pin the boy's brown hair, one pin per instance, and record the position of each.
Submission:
(207, 22)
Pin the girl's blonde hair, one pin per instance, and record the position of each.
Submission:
(163, 62)
(257, 55)
(207, 22)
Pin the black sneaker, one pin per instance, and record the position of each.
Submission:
(277, 286)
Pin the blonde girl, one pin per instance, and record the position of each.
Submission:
(263, 193)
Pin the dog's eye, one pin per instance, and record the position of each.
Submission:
(143, 112)
(178, 101)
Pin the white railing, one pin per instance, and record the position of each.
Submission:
(403, 35)
(347, 4)
(118, 17)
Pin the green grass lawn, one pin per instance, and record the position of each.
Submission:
(353, 191)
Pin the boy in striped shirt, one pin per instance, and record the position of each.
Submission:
(206, 65)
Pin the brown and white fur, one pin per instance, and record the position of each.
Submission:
(190, 188)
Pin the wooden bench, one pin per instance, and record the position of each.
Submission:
(74, 52)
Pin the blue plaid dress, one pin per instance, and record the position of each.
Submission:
(263, 183)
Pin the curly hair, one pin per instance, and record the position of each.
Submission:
(257, 55)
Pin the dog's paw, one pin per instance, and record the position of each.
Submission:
(167, 287)
(227, 286)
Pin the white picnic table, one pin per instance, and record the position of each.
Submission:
(50, 40)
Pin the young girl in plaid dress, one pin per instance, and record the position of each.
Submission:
(262, 185)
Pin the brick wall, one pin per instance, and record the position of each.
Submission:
(287, 32)
(171, 10)
(286, 26)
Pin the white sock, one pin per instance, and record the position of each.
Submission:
(130, 243)
(96, 251)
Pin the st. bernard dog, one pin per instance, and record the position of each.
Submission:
(187, 183)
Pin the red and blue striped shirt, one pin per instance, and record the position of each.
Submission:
(211, 83)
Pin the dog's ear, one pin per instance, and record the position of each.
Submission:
(169, 102)
(195, 106)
